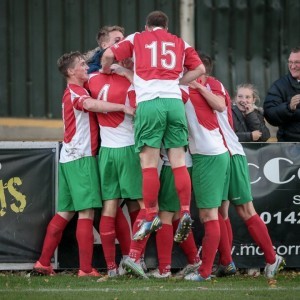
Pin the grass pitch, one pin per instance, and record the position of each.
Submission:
(66, 285)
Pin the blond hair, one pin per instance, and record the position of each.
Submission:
(103, 34)
(251, 87)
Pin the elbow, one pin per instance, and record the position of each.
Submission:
(221, 108)
(108, 55)
(87, 105)
(201, 70)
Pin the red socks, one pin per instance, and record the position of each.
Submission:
(108, 236)
(190, 249)
(151, 185)
(229, 231)
(164, 244)
(133, 215)
(85, 240)
(53, 237)
(137, 248)
(122, 231)
(259, 232)
(224, 245)
(188, 246)
(183, 187)
(210, 243)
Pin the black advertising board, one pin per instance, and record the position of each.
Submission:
(28, 180)
(275, 182)
(28, 185)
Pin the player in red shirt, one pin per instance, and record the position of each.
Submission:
(160, 59)
(78, 186)
(119, 166)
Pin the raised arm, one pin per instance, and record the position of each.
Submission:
(216, 102)
(191, 75)
(107, 60)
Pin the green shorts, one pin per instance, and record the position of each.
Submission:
(208, 178)
(168, 198)
(120, 173)
(160, 121)
(239, 187)
(79, 185)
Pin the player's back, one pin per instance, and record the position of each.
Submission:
(158, 55)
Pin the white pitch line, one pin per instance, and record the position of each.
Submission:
(55, 290)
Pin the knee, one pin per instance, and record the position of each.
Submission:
(208, 215)
(246, 211)
(86, 214)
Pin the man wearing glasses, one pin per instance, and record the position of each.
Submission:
(281, 106)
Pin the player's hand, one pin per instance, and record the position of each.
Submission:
(108, 71)
(128, 110)
(116, 68)
(194, 85)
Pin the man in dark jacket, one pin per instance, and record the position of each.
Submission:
(281, 106)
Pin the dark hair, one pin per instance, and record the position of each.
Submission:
(207, 61)
(66, 61)
(295, 49)
(157, 19)
(103, 33)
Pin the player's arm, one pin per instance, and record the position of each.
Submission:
(94, 105)
(216, 102)
(122, 71)
(192, 75)
(107, 60)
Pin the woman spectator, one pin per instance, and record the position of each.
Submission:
(248, 119)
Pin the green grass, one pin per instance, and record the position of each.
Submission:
(23, 285)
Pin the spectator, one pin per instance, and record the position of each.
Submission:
(248, 119)
(281, 106)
